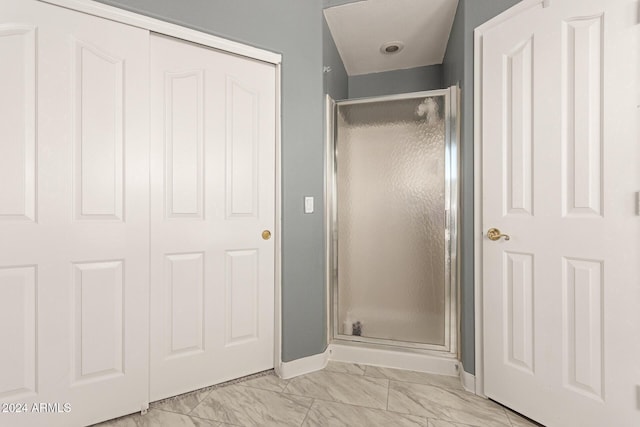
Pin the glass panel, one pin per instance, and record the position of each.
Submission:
(390, 159)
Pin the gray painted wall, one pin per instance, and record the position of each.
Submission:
(336, 81)
(458, 69)
(293, 28)
(397, 81)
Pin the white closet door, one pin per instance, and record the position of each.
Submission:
(560, 177)
(213, 189)
(73, 216)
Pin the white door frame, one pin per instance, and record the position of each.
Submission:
(478, 177)
(161, 27)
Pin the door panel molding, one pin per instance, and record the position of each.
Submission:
(184, 144)
(583, 332)
(184, 309)
(18, 302)
(18, 193)
(518, 310)
(479, 33)
(98, 320)
(242, 150)
(99, 95)
(582, 102)
(518, 133)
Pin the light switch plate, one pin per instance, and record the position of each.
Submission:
(308, 204)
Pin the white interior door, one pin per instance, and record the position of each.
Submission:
(73, 216)
(561, 168)
(213, 194)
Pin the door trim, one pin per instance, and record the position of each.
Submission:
(277, 235)
(157, 26)
(478, 35)
(329, 210)
(165, 28)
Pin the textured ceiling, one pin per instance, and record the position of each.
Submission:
(361, 28)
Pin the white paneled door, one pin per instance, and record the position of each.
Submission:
(73, 216)
(213, 190)
(136, 261)
(561, 172)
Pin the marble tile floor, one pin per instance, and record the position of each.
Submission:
(340, 395)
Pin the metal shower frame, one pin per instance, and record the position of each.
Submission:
(452, 182)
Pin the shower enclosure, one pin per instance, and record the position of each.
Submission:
(392, 215)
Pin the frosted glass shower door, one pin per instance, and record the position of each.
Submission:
(392, 200)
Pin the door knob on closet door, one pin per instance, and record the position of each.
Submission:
(495, 234)
(266, 234)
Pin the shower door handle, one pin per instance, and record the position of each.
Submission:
(494, 234)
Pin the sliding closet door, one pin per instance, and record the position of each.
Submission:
(213, 189)
(73, 216)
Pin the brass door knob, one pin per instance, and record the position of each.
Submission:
(495, 234)
(266, 234)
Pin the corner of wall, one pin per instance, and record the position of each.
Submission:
(335, 78)
(302, 366)
(468, 380)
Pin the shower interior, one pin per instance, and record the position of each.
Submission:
(392, 216)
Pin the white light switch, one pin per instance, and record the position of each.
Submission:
(308, 205)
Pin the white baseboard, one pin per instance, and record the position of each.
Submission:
(468, 380)
(378, 356)
(306, 365)
(391, 358)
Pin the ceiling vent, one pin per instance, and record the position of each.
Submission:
(390, 48)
